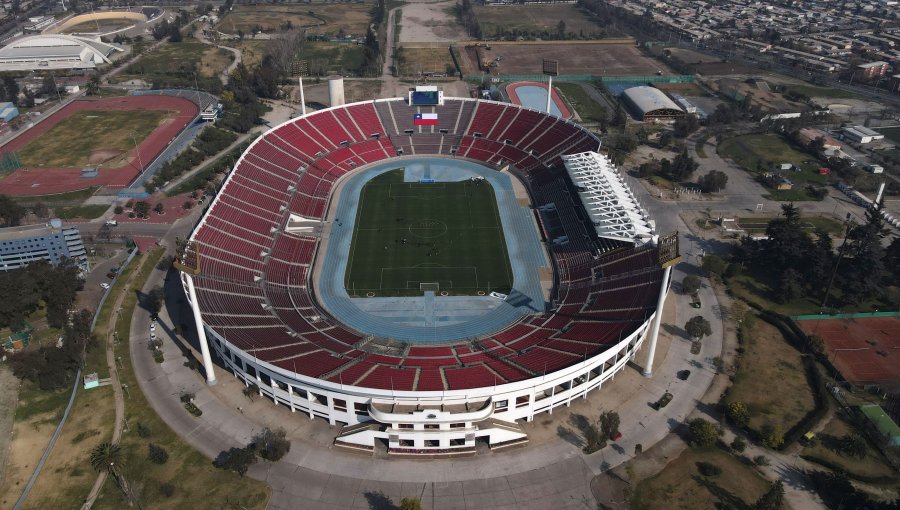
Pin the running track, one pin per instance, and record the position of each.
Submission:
(45, 181)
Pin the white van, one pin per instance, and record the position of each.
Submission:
(112, 223)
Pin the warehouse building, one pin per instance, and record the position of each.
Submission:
(651, 105)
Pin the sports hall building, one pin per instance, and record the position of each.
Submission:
(259, 267)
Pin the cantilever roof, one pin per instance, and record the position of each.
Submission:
(648, 99)
(608, 200)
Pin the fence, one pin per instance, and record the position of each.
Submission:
(862, 315)
(648, 78)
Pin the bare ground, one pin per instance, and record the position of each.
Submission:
(430, 22)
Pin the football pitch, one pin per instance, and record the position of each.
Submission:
(413, 237)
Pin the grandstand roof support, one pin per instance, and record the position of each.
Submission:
(201, 332)
(654, 329)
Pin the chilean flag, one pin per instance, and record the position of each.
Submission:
(425, 119)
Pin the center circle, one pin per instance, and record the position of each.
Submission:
(428, 228)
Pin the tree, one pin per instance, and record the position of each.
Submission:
(159, 208)
(561, 29)
(790, 285)
(738, 413)
(713, 181)
(141, 209)
(154, 300)
(773, 499)
(593, 438)
(686, 125)
(618, 118)
(713, 265)
(11, 213)
(157, 454)
(92, 88)
(690, 284)
(238, 460)
(271, 445)
(681, 168)
(41, 210)
(107, 457)
(410, 504)
(697, 327)
(609, 425)
(702, 433)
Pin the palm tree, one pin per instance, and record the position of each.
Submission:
(108, 457)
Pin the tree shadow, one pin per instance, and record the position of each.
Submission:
(728, 499)
(568, 435)
(378, 501)
(675, 331)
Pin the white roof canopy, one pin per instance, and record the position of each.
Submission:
(612, 207)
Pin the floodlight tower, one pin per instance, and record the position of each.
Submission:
(550, 68)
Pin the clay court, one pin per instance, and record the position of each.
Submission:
(590, 57)
(865, 350)
(46, 180)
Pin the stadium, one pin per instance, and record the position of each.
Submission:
(516, 271)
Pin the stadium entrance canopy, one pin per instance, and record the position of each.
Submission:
(609, 202)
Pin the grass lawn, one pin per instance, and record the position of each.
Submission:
(588, 109)
(681, 486)
(183, 58)
(533, 19)
(87, 212)
(330, 58)
(813, 91)
(760, 290)
(768, 357)
(416, 61)
(758, 225)
(892, 133)
(337, 19)
(411, 233)
(790, 195)
(91, 137)
(767, 151)
(872, 465)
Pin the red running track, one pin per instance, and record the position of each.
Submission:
(46, 181)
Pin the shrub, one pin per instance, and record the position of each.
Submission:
(738, 445)
(187, 205)
(167, 490)
(194, 410)
(702, 433)
(118, 210)
(158, 356)
(772, 436)
(761, 460)
(707, 469)
(738, 413)
(691, 284)
(157, 454)
(186, 397)
(143, 430)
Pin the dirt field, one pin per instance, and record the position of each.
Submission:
(767, 358)
(252, 51)
(535, 19)
(574, 58)
(418, 60)
(430, 22)
(93, 137)
(865, 350)
(106, 25)
(343, 19)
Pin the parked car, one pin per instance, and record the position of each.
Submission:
(110, 275)
(104, 285)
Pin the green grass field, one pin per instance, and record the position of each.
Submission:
(411, 233)
(588, 109)
(91, 137)
(749, 151)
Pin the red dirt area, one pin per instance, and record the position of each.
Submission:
(174, 209)
(514, 96)
(47, 181)
(145, 244)
(866, 350)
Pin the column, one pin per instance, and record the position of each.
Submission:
(201, 331)
(654, 330)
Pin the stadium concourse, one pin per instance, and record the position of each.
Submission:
(249, 269)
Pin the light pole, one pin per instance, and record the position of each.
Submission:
(138, 152)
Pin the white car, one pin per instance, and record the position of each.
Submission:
(152, 335)
(104, 285)
(152, 326)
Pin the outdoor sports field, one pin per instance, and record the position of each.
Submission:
(409, 234)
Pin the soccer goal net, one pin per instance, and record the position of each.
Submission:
(435, 286)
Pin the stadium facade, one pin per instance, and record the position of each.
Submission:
(20, 246)
(55, 51)
(249, 271)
